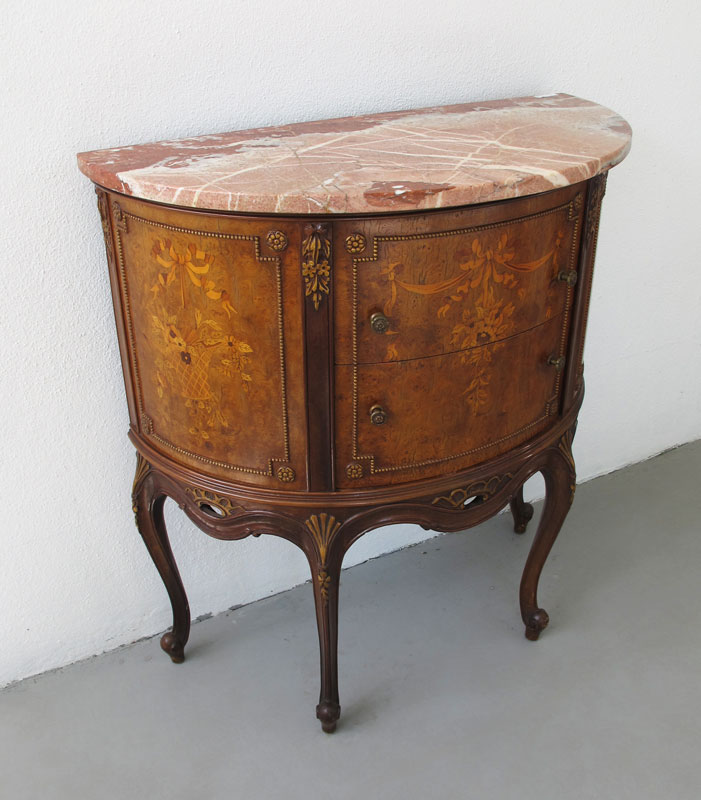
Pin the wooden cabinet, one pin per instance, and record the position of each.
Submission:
(331, 327)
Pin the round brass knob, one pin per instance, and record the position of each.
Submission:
(568, 276)
(379, 322)
(378, 416)
(558, 362)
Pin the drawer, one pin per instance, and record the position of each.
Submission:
(451, 410)
(216, 367)
(427, 285)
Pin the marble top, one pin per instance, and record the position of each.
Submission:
(396, 161)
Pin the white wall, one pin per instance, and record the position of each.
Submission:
(75, 578)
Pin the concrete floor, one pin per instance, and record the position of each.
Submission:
(442, 695)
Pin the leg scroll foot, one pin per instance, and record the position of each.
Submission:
(522, 512)
(174, 648)
(328, 713)
(536, 623)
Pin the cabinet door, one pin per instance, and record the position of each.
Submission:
(421, 285)
(448, 411)
(215, 363)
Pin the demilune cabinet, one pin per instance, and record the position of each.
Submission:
(329, 327)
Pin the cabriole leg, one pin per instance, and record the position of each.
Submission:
(326, 579)
(521, 511)
(148, 503)
(560, 479)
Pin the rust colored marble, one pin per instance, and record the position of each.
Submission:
(402, 160)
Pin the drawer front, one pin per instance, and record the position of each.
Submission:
(430, 284)
(215, 365)
(451, 410)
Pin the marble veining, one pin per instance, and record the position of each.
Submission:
(403, 160)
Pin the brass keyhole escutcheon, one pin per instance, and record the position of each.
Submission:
(568, 276)
(378, 416)
(379, 322)
(558, 362)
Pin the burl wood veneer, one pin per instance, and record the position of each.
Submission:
(333, 326)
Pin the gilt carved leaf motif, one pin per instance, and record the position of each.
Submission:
(316, 266)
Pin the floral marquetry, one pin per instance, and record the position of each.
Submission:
(194, 339)
(207, 342)
(190, 264)
(455, 289)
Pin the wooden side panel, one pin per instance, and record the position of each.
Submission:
(451, 281)
(448, 412)
(214, 321)
(596, 189)
(316, 269)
